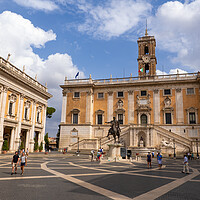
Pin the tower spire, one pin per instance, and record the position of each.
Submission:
(146, 34)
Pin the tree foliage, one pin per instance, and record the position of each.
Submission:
(41, 147)
(21, 145)
(50, 111)
(46, 139)
(5, 146)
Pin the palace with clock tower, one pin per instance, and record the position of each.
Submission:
(155, 112)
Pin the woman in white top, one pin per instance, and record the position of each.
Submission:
(23, 161)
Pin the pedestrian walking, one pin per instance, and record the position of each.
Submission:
(152, 154)
(15, 161)
(92, 155)
(23, 161)
(185, 165)
(27, 152)
(159, 158)
(149, 160)
(192, 156)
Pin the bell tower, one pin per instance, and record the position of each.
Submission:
(146, 55)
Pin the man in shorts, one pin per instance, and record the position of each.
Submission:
(149, 160)
(23, 161)
(15, 161)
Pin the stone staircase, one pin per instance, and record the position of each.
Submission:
(174, 136)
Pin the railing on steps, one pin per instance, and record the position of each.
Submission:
(178, 138)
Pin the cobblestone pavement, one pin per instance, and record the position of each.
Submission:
(58, 176)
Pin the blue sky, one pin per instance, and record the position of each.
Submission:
(58, 38)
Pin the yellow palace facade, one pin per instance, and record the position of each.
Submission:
(23, 103)
(155, 112)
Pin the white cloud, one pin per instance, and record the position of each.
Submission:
(45, 5)
(172, 71)
(176, 28)
(114, 18)
(18, 37)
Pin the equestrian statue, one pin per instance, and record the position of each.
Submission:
(114, 129)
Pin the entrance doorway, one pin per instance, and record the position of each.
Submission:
(7, 135)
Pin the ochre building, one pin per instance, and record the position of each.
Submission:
(156, 112)
(23, 104)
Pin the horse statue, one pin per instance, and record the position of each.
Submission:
(114, 129)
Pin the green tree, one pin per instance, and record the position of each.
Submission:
(41, 147)
(21, 145)
(50, 111)
(5, 146)
(46, 139)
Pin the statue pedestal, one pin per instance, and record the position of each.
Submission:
(114, 152)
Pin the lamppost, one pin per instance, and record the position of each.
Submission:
(174, 149)
(100, 142)
(197, 149)
(78, 148)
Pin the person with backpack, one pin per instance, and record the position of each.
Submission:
(159, 158)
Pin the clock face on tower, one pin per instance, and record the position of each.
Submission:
(146, 59)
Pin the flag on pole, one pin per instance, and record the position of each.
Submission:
(141, 70)
(77, 75)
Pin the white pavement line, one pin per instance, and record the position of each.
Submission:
(25, 177)
(97, 189)
(19, 167)
(153, 194)
(93, 168)
(9, 163)
(195, 180)
(94, 174)
(116, 172)
(148, 170)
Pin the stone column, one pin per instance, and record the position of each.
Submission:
(156, 106)
(12, 144)
(147, 138)
(64, 108)
(131, 136)
(179, 106)
(3, 107)
(32, 131)
(110, 107)
(44, 126)
(89, 107)
(130, 107)
(27, 140)
(135, 138)
(18, 129)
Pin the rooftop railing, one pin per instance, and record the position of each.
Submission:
(132, 79)
(8, 66)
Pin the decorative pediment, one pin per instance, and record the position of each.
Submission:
(75, 111)
(27, 104)
(12, 98)
(99, 111)
(191, 109)
(120, 104)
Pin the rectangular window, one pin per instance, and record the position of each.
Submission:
(192, 119)
(100, 95)
(38, 117)
(99, 119)
(25, 113)
(76, 94)
(143, 93)
(120, 94)
(10, 108)
(120, 118)
(75, 118)
(190, 90)
(167, 92)
(168, 118)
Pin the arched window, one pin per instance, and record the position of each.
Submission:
(143, 119)
(146, 50)
(146, 68)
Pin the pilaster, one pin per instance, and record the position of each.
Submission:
(64, 107)
(130, 106)
(179, 106)
(156, 105)
(110, 106)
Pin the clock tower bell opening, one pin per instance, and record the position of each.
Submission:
(146, 56)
